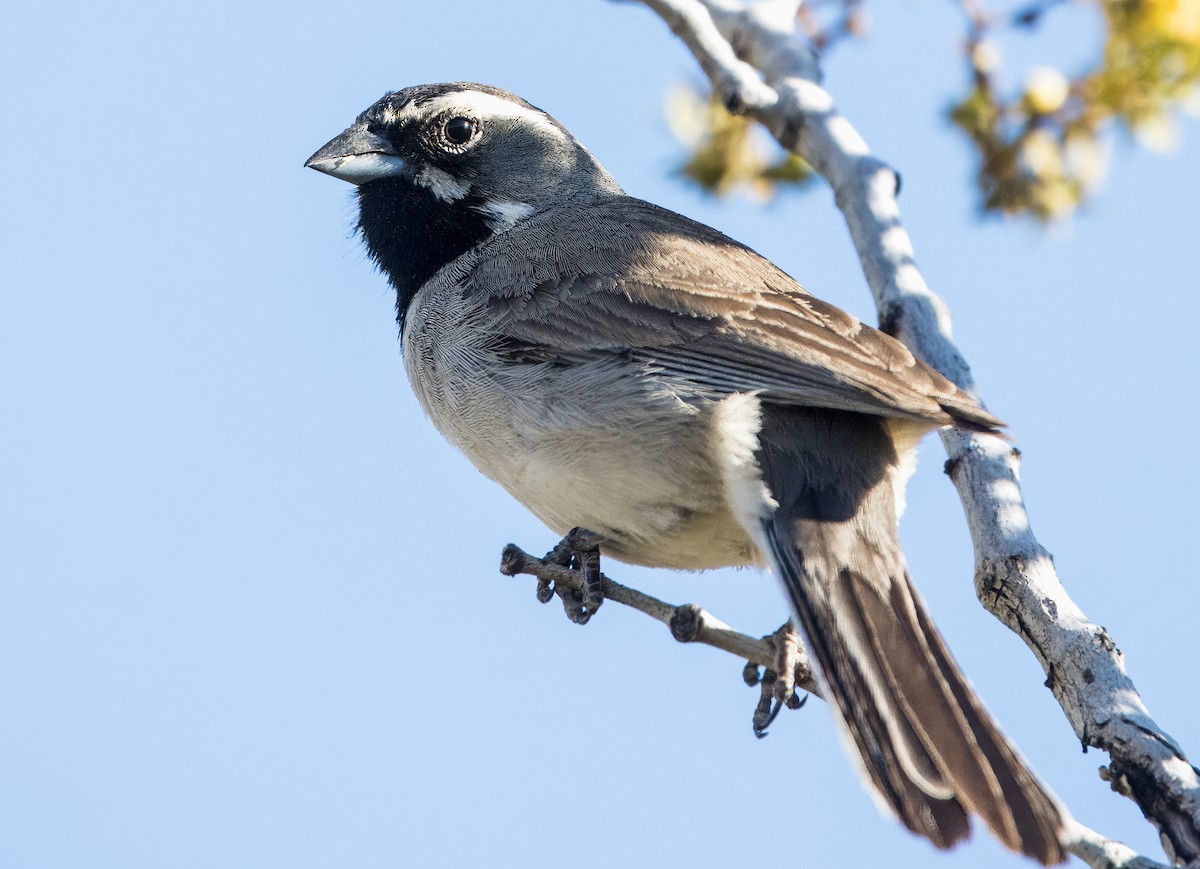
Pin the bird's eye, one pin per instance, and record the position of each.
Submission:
(459, 130)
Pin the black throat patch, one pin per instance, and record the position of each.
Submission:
(410, 233)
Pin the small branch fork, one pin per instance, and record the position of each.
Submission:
(758, 67)
(582, 586)
(578, 582)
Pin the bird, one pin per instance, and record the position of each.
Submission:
(619, 367)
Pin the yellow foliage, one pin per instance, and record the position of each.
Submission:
(729, 152)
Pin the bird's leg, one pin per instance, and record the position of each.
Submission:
(778, 684)
(578, 551)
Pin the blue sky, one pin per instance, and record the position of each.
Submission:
(249, 607)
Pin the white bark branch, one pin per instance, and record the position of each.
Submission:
(1101, 853)
(757, 65)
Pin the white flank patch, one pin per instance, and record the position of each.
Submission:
(736, 424)
(504, 213)
(906, 435)
(441, 184)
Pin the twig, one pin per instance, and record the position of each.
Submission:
(688, 622)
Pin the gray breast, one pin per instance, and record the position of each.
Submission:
(604, 443)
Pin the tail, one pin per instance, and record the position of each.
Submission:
(924, 741)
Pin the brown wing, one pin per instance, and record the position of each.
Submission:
(623, 275)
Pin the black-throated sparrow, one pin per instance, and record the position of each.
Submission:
(619, 367)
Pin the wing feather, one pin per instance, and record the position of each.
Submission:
(621, 275)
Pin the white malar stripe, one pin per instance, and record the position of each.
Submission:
(441, 184)
(504, 214)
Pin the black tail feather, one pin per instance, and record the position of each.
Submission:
(943, 821)
(923, 740)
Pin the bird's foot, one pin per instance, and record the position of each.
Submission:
(778, 684)
(579, 552)
(570, 570)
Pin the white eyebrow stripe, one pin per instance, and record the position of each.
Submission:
(487, 106)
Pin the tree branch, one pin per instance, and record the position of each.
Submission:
(1101, 853)
(758, 66)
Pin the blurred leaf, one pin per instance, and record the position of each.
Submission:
(1042, 151)
(729, 153)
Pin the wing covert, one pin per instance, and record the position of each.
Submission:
(698, 305)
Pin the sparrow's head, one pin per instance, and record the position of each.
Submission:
(442, 167)
(465, 141)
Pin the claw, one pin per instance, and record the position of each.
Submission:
(778, 685)
(768, 707)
